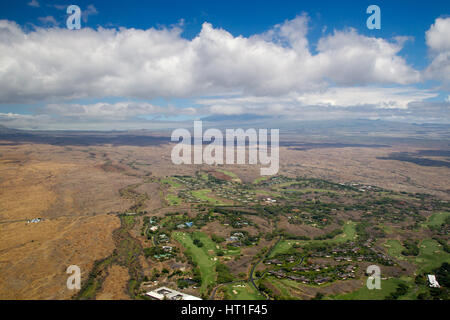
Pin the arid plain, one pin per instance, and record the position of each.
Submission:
(76, 189)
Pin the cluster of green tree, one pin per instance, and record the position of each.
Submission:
(442, 276)
(147, 221)
(175, 220)
(185, 283)
(264, 288)
(213, 181)
(155, 250)
(411, 248)
(223, 273)
(390, 209)
(155, 274)
(443, 243)
(376, 232)
(175, 273)
(261, 253)
(217, 239)
(320, 184)
(316, 247)
(233, 215)
(289, 236)
(197, 276)
(318, 296)
(361, 230)
(202, 219)
(329, 235)
(198, 243)
(401, 290)
(443, 228)
(95, 279)
(272, 235)
(139, 199)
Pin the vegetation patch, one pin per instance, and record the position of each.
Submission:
(201, 258)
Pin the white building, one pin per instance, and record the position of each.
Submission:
(433, 282)
(164, 293)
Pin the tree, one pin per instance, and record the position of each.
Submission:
(318, 296)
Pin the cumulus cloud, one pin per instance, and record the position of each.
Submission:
(438, 42)
(396, 104)
(109, 111)
(49, 20)
(342, 97)
(350, 58)
(34, 3)
(274, 74)
(91, 10)
(52, 122)
(57, 63)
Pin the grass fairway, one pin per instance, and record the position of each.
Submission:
(395, 248)
(208, 244)
(387, 287)
(437, 219)
(171, 182)
(202, 195)
(431, 255)
(280, 285)
(232, 175)
(349, 233)
(243, 291)
(285, 184)
(310, 190)
(173, 200)
(232, 252)
(204, 260)
(283, 246)
(260, 179)
(267, 193)
(387, 229)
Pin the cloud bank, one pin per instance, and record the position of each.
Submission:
(276, 72)
(58, 63)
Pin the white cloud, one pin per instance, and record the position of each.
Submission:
(375, 98)
(437, 36)
(89, 11)
(350, 58)
(397, 104)
(49, 20)
(60, 6)
(438, 41)
(118, 110)
(56, 63)
(34, 3)
(48, 122)
(380, 98)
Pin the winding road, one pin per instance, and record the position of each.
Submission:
(251, 279)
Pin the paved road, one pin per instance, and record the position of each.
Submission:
(266, 255)
(252, 280)
(213, 293)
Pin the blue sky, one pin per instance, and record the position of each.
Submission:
(417, 67)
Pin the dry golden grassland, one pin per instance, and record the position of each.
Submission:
(75, 187)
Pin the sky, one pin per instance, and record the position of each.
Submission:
(155, 64)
